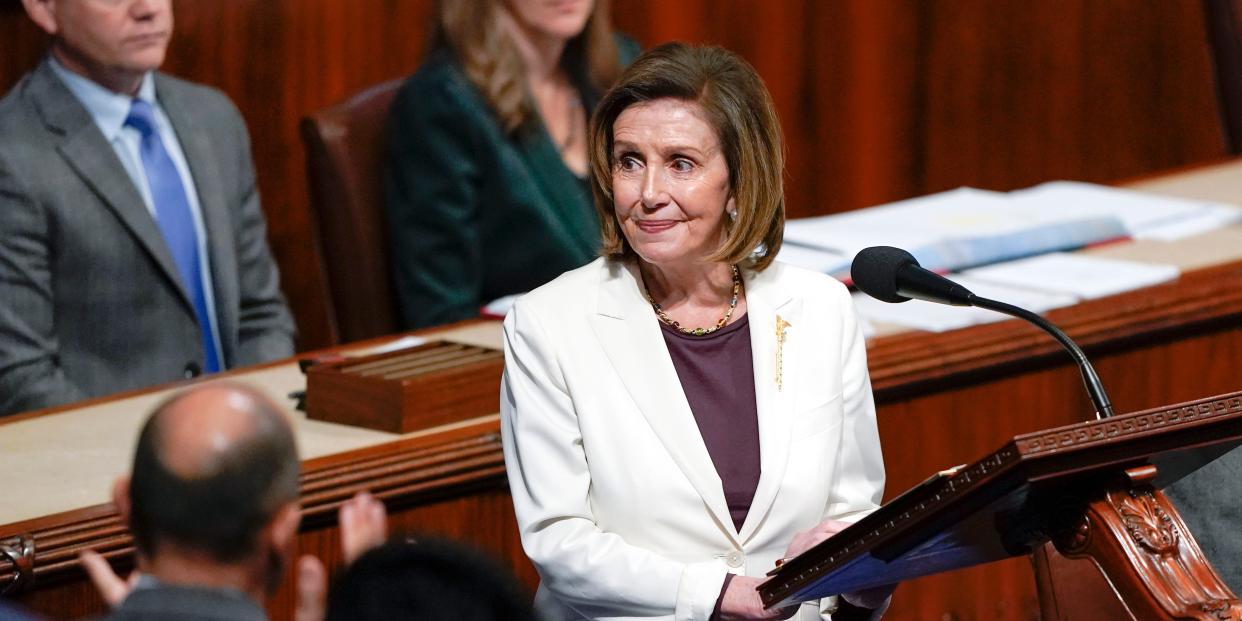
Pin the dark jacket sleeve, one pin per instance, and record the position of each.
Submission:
(433, 191)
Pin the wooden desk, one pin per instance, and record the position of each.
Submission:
(943, 400)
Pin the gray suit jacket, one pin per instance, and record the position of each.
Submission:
(90, 300)
(179, 603)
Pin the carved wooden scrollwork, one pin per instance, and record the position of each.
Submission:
(18, 553)
(1148, 525)
(1073, 531)
(1139, 542)
(1219, 609)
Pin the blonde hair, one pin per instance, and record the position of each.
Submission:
(740, 110)
(472, 29)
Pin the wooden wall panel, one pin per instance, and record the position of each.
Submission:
(880, 99)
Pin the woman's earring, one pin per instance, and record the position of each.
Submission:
(733, 215)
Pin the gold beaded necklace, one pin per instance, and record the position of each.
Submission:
(663, 316)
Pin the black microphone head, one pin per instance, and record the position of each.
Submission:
(874, 272)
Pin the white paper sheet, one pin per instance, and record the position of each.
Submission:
(904, 224)
(931, 317)
(816, 259)
(1144, 215)
(957, 229)
(1083, 276)
(393, 345)
(499, 308)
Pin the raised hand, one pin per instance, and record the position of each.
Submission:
(111, 587)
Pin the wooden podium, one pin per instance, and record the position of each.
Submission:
(1092, 490)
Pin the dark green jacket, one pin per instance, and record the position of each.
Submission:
(476, 214)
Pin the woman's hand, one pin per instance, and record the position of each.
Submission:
(741, 602)
(810, 537)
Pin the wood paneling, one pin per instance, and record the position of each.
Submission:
(880, 99)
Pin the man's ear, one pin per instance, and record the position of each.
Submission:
(43, 13)
(120, 489)
(284, 526)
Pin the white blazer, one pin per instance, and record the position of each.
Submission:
(619, 505)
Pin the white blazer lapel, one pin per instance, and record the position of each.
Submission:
(766, 300)
(630, 335)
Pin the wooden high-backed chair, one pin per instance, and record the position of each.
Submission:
(346, 151)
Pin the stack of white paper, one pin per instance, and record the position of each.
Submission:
(1145, 216)
(500, 307)
(1038, 284)
(815, 259)
(1083, 276)
(966, 228)
(905, 224)
(954, 230)
(931, 317)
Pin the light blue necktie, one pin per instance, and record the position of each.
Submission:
(176, 221)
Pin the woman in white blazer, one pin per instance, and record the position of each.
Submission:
(633, 383)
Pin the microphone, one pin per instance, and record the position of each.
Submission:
(893, 275)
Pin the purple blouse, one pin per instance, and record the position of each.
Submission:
(717, 374)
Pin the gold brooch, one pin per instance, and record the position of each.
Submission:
(781, 324)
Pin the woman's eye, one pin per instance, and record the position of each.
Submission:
(682, 165)
(627, 162)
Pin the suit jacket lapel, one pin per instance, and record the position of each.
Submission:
(765, 300)
(203, 161)
(87, 151)
(631, 338)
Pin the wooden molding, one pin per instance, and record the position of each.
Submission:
(403, 472)
(1102, 431)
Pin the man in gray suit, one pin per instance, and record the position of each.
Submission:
(133, 249)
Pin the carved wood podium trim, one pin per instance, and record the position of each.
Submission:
(1089, 485)
(18, 552)
(1143, 548)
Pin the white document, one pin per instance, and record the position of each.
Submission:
(499, 308)
(905, 224)
(956, 229)
(815, 259)
(1144, 215)
(1083, 276)
(932, 317)
(1211, 218)
(393, 345)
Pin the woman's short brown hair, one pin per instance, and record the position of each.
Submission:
(740, 110)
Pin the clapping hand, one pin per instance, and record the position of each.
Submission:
(364, 525)
(111, 587)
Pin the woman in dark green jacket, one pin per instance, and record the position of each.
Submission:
(486, 187)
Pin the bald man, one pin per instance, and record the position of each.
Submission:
(212, 504)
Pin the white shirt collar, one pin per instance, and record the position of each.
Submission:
(108, 108)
